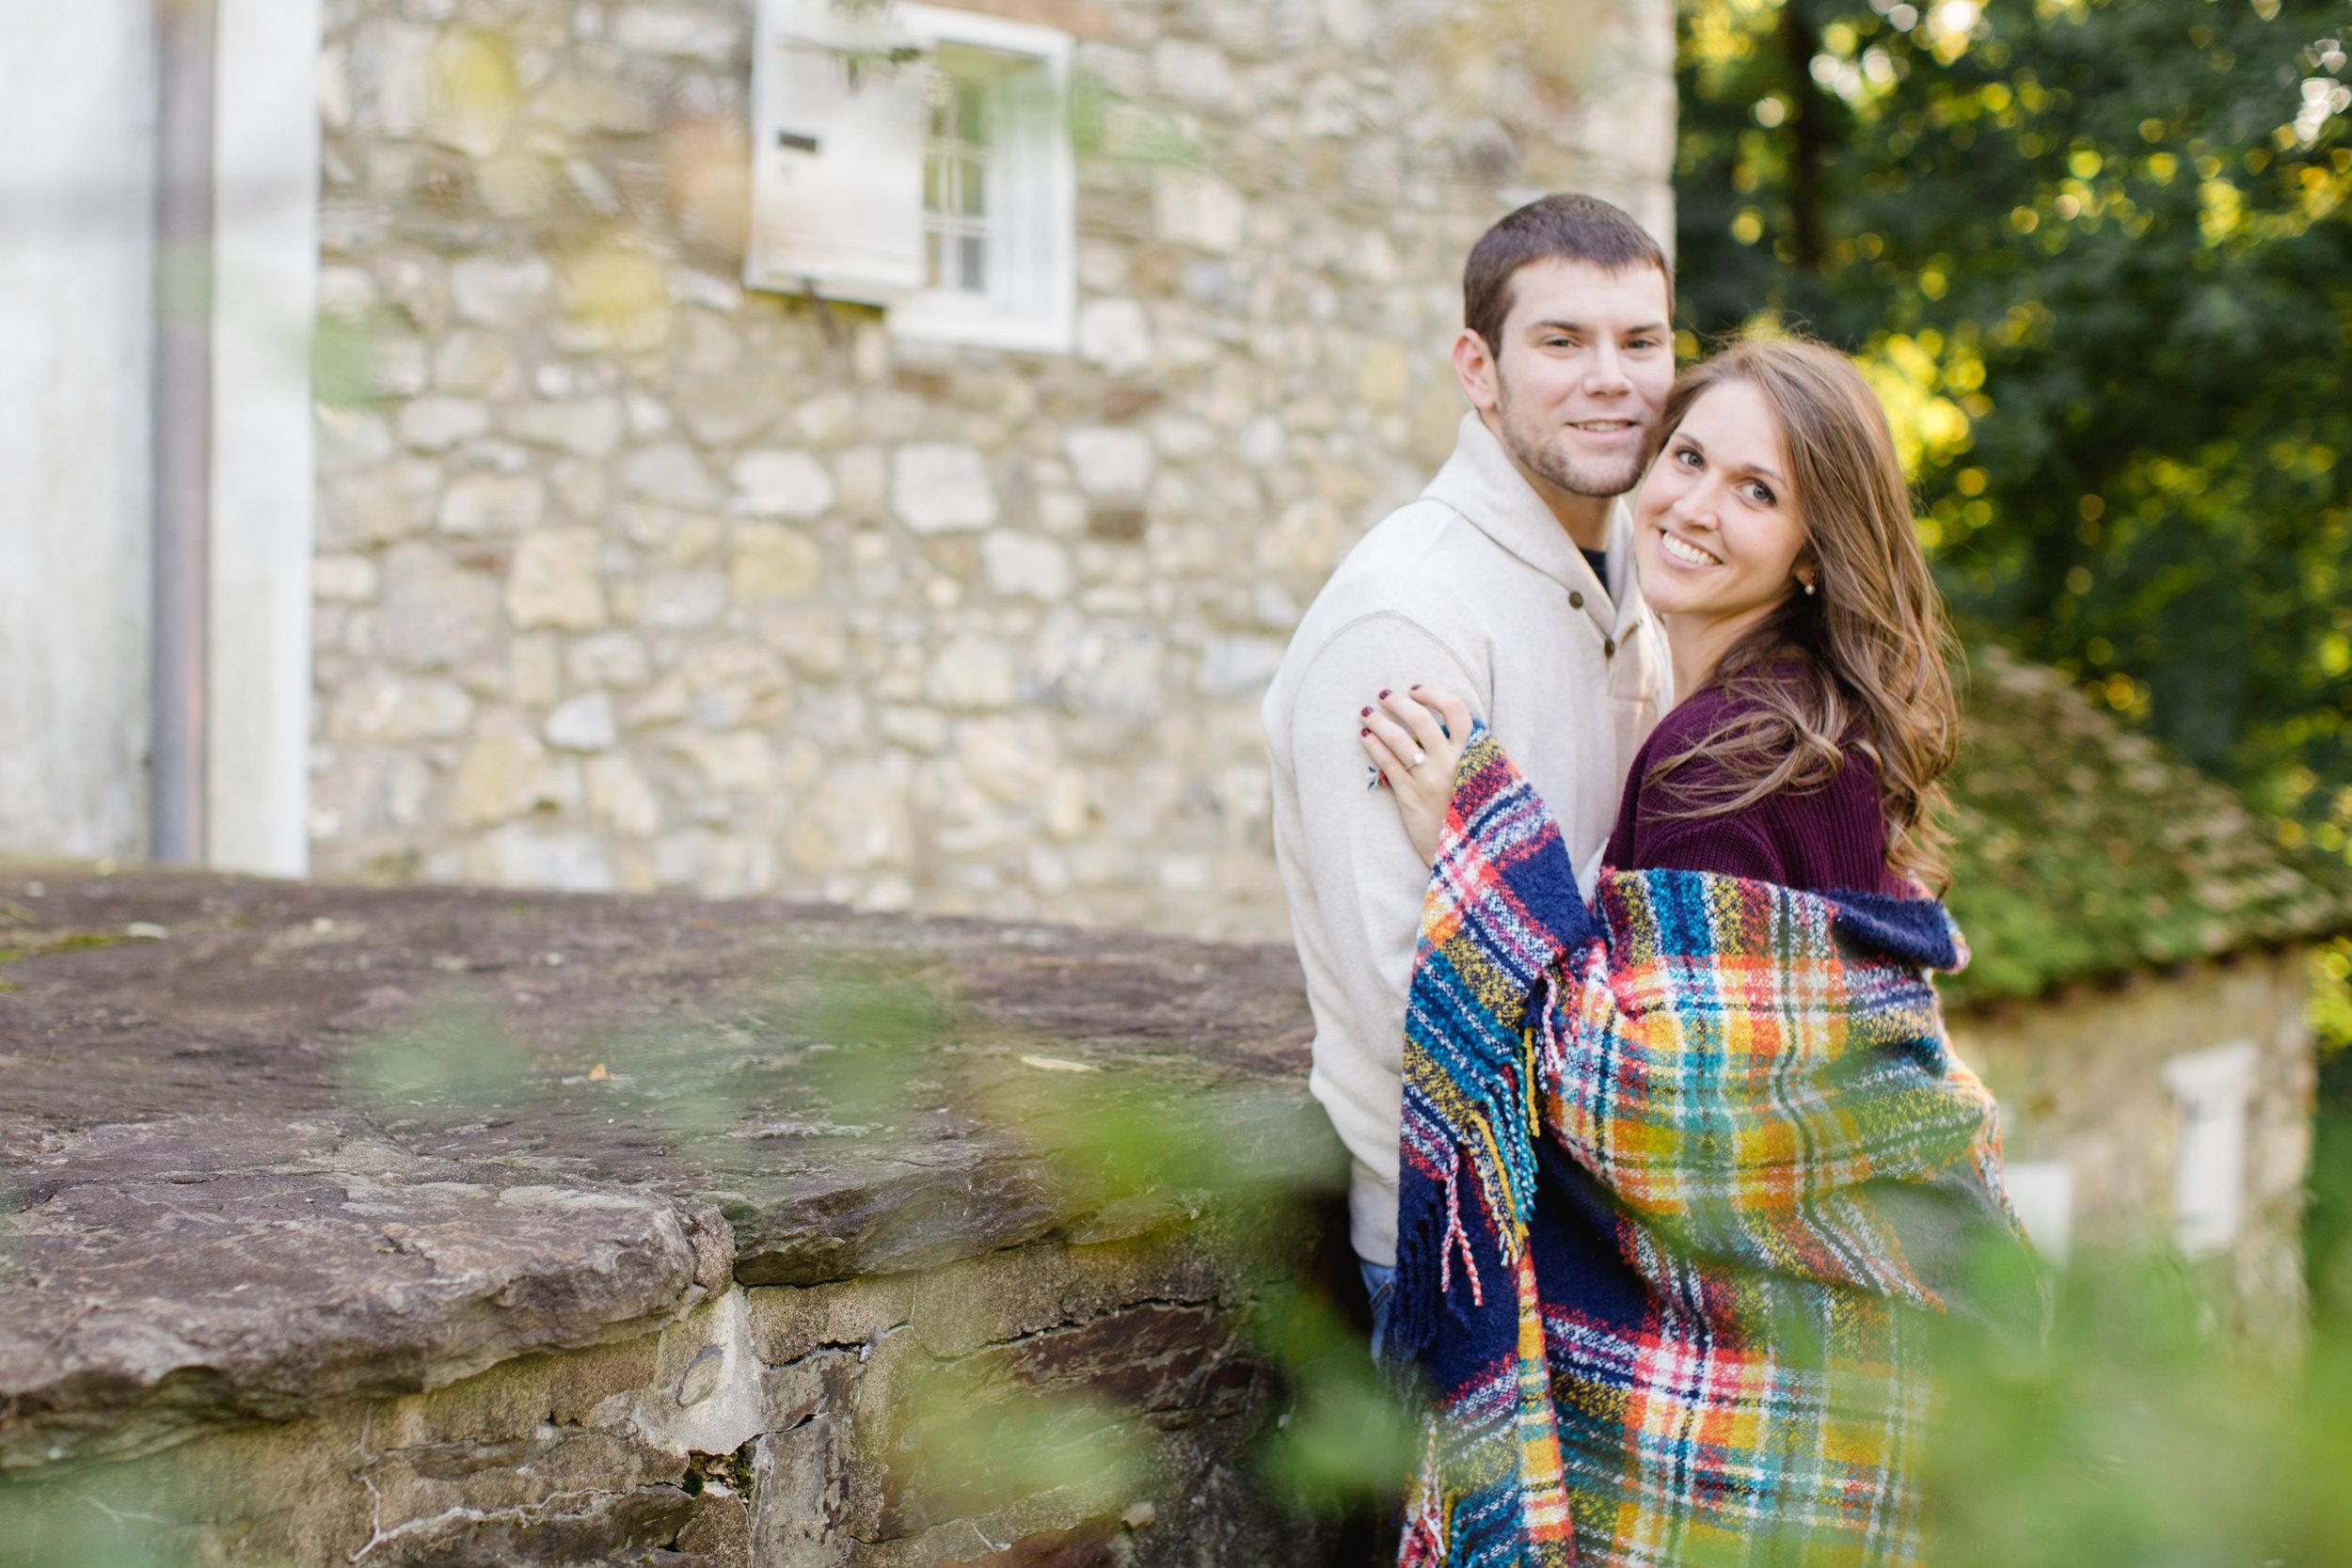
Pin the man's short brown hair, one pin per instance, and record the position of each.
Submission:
(1568, 226)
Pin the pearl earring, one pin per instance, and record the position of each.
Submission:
(1809, 589)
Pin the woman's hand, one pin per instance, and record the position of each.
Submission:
(1415, 738)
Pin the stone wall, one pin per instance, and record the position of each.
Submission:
(1070, 1407)
(429, 1226)
(628, 579)
(2080, 1077)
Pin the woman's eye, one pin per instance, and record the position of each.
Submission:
(1685, 456)
(1758, 494)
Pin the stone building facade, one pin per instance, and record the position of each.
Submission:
(2175, 1110)
(630, 578)
(656, 1287)
(2139, 990)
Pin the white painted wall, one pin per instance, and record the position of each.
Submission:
(266, 179)
(76, 169)
(76, 195)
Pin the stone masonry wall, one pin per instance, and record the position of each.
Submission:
(1047, 1407)
(628, 579)
(2081, 1079)
(469, 1230)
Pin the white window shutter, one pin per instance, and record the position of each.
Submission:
(2214, 1089)
(837, 154)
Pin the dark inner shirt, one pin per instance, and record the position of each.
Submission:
(1599, 561)
(1831, 838)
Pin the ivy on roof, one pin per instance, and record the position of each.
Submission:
(2080, 852)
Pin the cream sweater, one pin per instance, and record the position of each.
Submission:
(1475, 587)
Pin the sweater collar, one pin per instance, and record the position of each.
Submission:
(1480, 482)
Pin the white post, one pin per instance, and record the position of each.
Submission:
(2212, 1088)
(264, 485)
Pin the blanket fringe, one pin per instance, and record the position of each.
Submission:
(1415, 1301)
(1424, 1545)
(1457, 1236)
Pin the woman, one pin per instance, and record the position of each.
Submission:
(1689, 1171)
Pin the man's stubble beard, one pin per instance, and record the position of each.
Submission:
(1549, 464)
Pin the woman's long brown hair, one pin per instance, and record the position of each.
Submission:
(1871, 640)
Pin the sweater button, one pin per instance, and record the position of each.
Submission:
(1609, 647)
(1576, 600)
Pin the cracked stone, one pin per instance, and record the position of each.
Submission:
(365, 1155)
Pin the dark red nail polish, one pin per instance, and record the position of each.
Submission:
(1384, 692)
(1363, 731)
(1366, 714)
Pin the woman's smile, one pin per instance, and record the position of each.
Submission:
(1677, 548)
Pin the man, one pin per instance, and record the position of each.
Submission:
(1509, 581)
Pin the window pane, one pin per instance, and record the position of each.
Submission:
(956, 215)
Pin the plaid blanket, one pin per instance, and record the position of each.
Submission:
(1689, 1174)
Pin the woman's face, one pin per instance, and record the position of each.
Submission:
(1717, 529)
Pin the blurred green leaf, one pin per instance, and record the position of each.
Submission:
(1348, 1437)
(65, 1524)
(2145, 1435)
(455, 1051)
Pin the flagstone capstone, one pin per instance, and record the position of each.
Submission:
(438, 1226)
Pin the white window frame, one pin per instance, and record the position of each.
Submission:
(2214, 1090)
(871, 172)
(1031, 301)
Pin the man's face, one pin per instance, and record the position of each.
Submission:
(1575, 386)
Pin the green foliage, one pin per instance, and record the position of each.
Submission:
(2144, 1436)
(2331, 997)
(975, 1439)
(34, 945)
(64, 1525)
(1347, 1437)
(455, 1052)
(2328, 1217)
(2099, 254)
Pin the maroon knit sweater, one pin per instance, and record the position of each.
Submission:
(1828, 839)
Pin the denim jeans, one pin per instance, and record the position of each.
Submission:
(1380, 1284)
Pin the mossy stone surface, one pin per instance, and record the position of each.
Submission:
(2080, 852)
